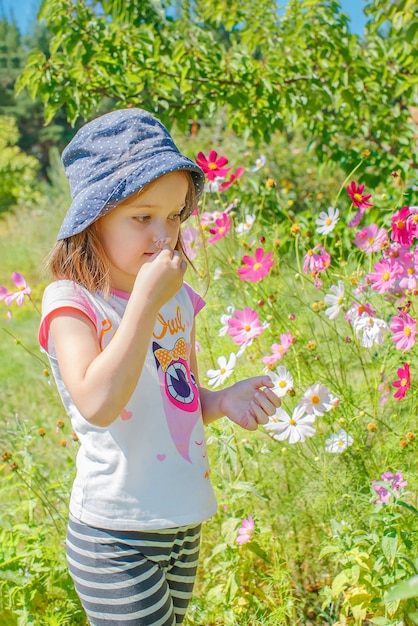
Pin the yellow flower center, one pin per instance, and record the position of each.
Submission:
(400, 224)
(315, 399)
(257, 266)
(282, 383)
(247, 327)
(370, 240)
(404, 382)
(222, 370)
(328, 221)
(292, 422)
(212, 166)
(410, 271)
(407, 331)
(221, 230)
(341, 443)
(385, 276)
(358, 197)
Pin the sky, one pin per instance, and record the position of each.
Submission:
(24, 11)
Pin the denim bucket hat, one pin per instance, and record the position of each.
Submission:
(114, 156)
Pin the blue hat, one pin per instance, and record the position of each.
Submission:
(114, 156)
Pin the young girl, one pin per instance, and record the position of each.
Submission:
(118, 327)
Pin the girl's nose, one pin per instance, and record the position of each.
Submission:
(162, 241)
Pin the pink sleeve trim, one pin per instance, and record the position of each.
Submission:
(197, 301)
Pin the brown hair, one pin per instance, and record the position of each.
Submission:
(81, 258)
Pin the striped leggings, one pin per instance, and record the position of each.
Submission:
(133, 578)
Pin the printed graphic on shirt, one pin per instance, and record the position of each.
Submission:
(179, 393)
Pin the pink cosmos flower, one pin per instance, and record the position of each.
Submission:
(256, 268)
(246, 531)
(233, 177)
(388, 485)
(316, 261)
(371, 238)
(279, 349)
(385, 275)
(403, 229)
(409, 261)
(213, 166)
(19, 295)
(244, 325)
(222, 228)
(190, 241)
(404, 328)
(356, 310)
(356, 195)
(403, 383)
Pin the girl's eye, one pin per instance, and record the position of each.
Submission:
(176, 216)
(142, 218)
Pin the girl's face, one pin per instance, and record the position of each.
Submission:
(130, 231)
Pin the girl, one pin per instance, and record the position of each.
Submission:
(118, 327)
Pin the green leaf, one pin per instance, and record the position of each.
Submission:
(254, 547)
(390, 545)
(402, 591)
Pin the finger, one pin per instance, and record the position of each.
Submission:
(267, 403)
(248, 421)
(262, 381)
(258, 413)
(274, 399)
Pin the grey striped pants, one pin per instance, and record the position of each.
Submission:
(133, 578)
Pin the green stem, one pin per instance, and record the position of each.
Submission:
(19, 343)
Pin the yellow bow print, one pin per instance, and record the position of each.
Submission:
(166, 357)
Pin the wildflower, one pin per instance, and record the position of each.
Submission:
(233, 177)
(326, 222)
(19, 295)
(410, 436)
(222, 228)
(226, 368)
(224, 320)
(217, 274)
(270, 183)
(244, 326)
(384, 393)
(371, 427)
(279, 349)
(404, 328)
(371, 238)
(283, 381)
(339, 442)
(41, 432)
(356, 195)
(295, 229)
(190, 241)
(388, 486)
(256, 268)
(246, 531)
(371, 329)
(213, 166)
(317, 400)
(245, 227)
(409, 280)
(295, 429)
(403, 229)
(316, 261)
(335, 299)
(259, 163)
(357, 309)
(403, 443)
(403, 383)
(385, 275)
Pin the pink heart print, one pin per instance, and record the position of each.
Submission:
(126, 415)
(161, 457)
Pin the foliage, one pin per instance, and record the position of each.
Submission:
(267, 70)
(18, 171)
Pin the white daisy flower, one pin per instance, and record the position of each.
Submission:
(338, 442)
(371, 330)
(224, 320)
(282, 379)
(245, 227)
(335, 299)
(316, 400)
(259, 163)
(327, 221)
(295, 428)
(226, 368)
(217, 274)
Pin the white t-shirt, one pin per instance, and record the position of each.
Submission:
(148, 469)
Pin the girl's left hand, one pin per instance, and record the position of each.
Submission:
(250, 402)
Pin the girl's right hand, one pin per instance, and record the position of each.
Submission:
(160, 278)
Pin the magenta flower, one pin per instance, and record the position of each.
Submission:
(385, 275)
(316, 261)
(213, 166)
(371, 238)
(278, 350)
(244, 326)
(403, 383)
(233, 177)
(404, 328)
(256, 268)
(221, 228)
(17, 296)
(403, 229)
(388, 485)
(356, 195)
(246, 531)
(409, 261)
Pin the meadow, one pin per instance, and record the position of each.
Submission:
(311, 277)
